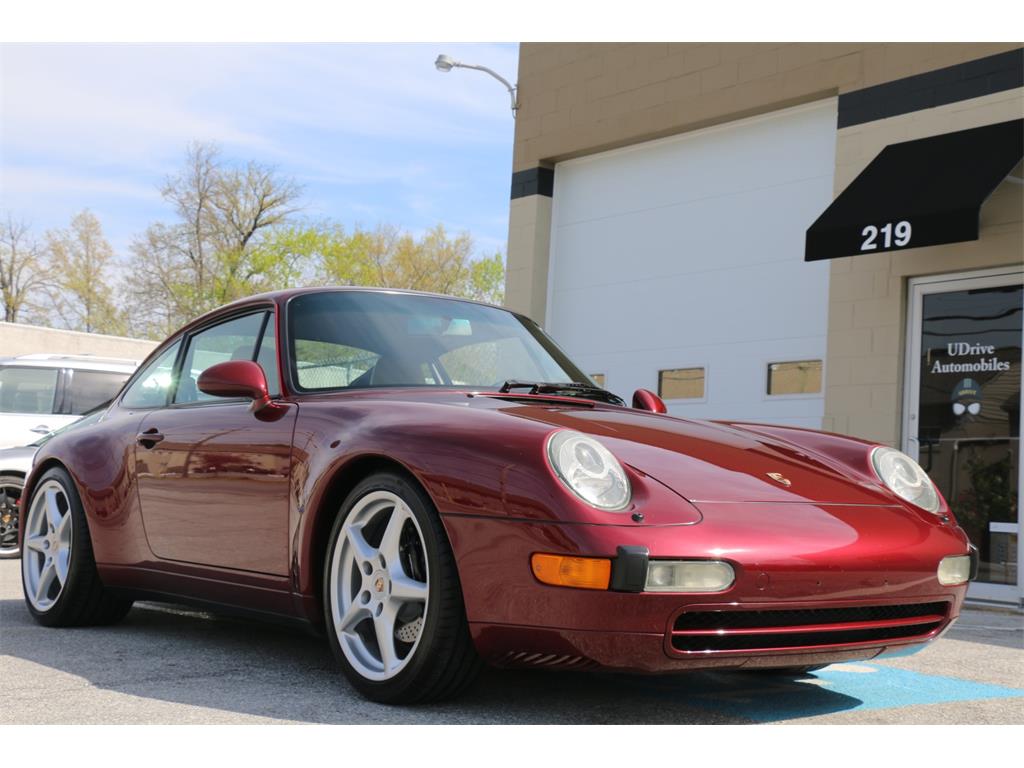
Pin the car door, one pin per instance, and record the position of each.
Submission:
(212, 477)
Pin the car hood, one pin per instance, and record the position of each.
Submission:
(710, 462)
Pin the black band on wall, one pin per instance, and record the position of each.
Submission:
(535, 181)
(1001, 72)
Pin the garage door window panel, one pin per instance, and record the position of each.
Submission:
(681, 384)
(797, 377)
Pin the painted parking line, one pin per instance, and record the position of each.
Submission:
(843, 688)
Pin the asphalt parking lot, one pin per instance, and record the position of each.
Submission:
(167, 664)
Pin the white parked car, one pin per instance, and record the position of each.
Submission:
(41, 393)
(15, 464)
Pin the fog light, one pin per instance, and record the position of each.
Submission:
(688, 576)
(954, 570)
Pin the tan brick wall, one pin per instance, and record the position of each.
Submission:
(529, 237)
(578, 98)
(868, 292)
(17, 339)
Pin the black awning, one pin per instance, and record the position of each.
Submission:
(918, 193)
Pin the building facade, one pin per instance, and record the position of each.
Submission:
(825, 235)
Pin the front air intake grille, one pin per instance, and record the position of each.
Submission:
(804, 628)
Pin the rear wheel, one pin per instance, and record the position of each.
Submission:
(58, 570)
(392, 597)
(10, 509)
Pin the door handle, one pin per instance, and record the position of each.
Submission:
(42, 429)
(149, 438)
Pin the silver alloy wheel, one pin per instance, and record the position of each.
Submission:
(49, 529)
(379, 585)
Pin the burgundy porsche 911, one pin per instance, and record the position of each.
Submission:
(435, 485)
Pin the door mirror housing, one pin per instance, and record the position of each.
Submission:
(236, 378)
(646, 400)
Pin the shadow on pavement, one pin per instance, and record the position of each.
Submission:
(178, 655)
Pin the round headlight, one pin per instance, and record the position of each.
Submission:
(904, 477)
(589, 470)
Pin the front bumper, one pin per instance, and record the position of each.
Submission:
(886, 584)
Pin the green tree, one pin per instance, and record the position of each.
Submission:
(389, 258)
(212, 253)
(80, 260)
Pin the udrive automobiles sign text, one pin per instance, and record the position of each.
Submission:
(963, 349)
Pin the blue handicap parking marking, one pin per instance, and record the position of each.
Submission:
(841, 688)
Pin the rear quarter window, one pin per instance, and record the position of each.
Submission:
(91, 388)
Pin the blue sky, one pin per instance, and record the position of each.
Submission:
(372, 131)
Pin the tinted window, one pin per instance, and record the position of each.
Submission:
(90, 388)
(150, 389)
(27, 390)
(233, 340)
(369, 339)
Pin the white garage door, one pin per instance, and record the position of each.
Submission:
(686, 254)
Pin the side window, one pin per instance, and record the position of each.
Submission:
(92, 388)
(233, 340)
(150, 389)
(267, 359)
(27, 390)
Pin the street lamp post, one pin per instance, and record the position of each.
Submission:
(447, 64)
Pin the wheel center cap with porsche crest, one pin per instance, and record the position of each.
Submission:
(378, 584)
(779, 478)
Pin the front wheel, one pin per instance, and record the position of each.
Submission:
(392, 597)
(58, 570)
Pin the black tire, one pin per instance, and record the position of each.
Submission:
(445, 662)
(10, 492)
(83, 600)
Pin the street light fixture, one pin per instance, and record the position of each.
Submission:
(445, 63)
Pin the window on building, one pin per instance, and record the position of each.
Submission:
(681, 384)
(799, 377)
(598, 378)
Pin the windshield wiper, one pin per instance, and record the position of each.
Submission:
(564, 389)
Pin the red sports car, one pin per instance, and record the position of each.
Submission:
(435, 485)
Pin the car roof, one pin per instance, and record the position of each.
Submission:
(77, 362)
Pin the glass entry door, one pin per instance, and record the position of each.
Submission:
(962, 415)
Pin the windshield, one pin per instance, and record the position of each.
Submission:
(356, 339)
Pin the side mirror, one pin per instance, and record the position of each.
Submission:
(236, 378)
(646, 400)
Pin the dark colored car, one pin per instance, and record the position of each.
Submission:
(434, 484)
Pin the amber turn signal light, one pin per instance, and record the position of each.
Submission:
(579, 572)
